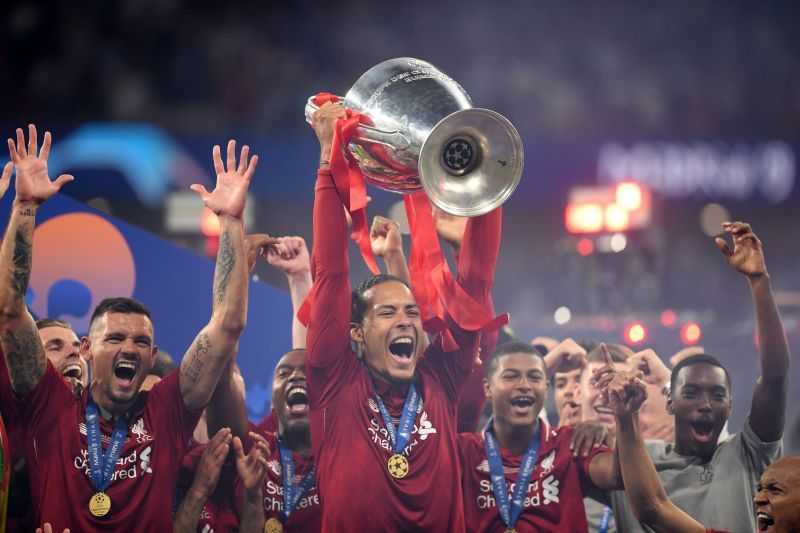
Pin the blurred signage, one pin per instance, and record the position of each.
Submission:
(712, 170)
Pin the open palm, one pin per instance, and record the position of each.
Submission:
(230, 194)
(747, 256)
(33, 181)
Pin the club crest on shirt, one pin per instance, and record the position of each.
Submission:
(140, 432)
(275, 466)
(546, 464)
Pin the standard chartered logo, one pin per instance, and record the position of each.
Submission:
(550, 490)
(126, 466)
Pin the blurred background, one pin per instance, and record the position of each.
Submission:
(645, 125)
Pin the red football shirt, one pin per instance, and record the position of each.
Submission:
(554, 499)
(141, 489)
(348, 433)
(307, 516)
(217, 515)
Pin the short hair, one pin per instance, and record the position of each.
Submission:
(48, 322)
(510, 347)
(359, 304)
(702, 358)
(119, 305)
(163, 365)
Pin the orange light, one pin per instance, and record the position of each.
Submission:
(629, 196)
(209, 223)
(617, 219)
(668, 318)
(691, 333)
(584, 218)
(585, 246)
(635, 333)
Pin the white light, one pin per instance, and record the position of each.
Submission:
(618, 242)
(255, 277)
(562, 315)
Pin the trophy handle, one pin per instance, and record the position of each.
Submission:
(391, 139)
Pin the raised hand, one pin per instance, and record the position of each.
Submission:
(683, 353)
(650, 364)
(230, 194)
(289, 255)
(570, 414)
(568, 355)
(450, 227)
(747, 256)
(251, 467)
(385, 236)
(324, 124)
(48, 529)
(626, 393)
(258, 244)
(33, 181)
(207, 475)
(602, 376)
(5, 180)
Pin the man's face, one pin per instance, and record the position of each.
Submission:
(701, 403)
(289, 394)
(565, 384)
(62, 347)
(593, 405)
(390, 333)
(517, 389)
(778, 499)
(120, 347)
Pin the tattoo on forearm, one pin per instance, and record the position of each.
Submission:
(27, 212)
(22, 265)
(196, 362)
(225, 261)
(25, 358)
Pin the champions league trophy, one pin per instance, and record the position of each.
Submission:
(425, 134)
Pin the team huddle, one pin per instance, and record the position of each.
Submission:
(376, 424)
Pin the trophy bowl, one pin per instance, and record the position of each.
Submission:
(425, 134)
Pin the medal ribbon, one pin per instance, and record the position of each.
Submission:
(292, 493)
(102, 465)
(400, 436)
(510, 509)
(605, 519)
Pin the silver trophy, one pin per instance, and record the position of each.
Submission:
(425, 134)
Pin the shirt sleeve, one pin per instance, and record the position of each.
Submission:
(42, 405)
(759, 454)
(475, 275)
(472, 401)
(166, 406)
(329, 353)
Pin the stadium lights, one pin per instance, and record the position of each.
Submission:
(635, 333)
(608, 208)
(691, 333)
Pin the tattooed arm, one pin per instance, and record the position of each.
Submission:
(215, 345)
(19, 337)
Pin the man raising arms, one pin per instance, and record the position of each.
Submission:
(107, 460)
(372, 475)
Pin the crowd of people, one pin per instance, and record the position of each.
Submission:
(376, 424)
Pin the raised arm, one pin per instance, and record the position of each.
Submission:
(626, 394)
(290, 256)
(214, 346)
(767, 411)
(19, 337)
(329, 324)
(387, 242)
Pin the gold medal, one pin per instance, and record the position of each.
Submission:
(100, 504)
(273, 525)
(398, 466)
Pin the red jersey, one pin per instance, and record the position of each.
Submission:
(269, 424)
(554, 499)
(142, 486)
(217, 515)
(348, 432)
(307, 516)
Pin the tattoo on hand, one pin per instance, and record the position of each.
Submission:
(22, 265)
(25, 357)
(225, 261)
(202, 346)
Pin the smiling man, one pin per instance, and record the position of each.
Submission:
(372, 475)
(519, 473)
(107, 459)
(715, 482)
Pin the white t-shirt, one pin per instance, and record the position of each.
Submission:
(718, 493)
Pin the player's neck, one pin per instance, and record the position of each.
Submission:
(109, 409)
(299, 440)
(514, 438)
